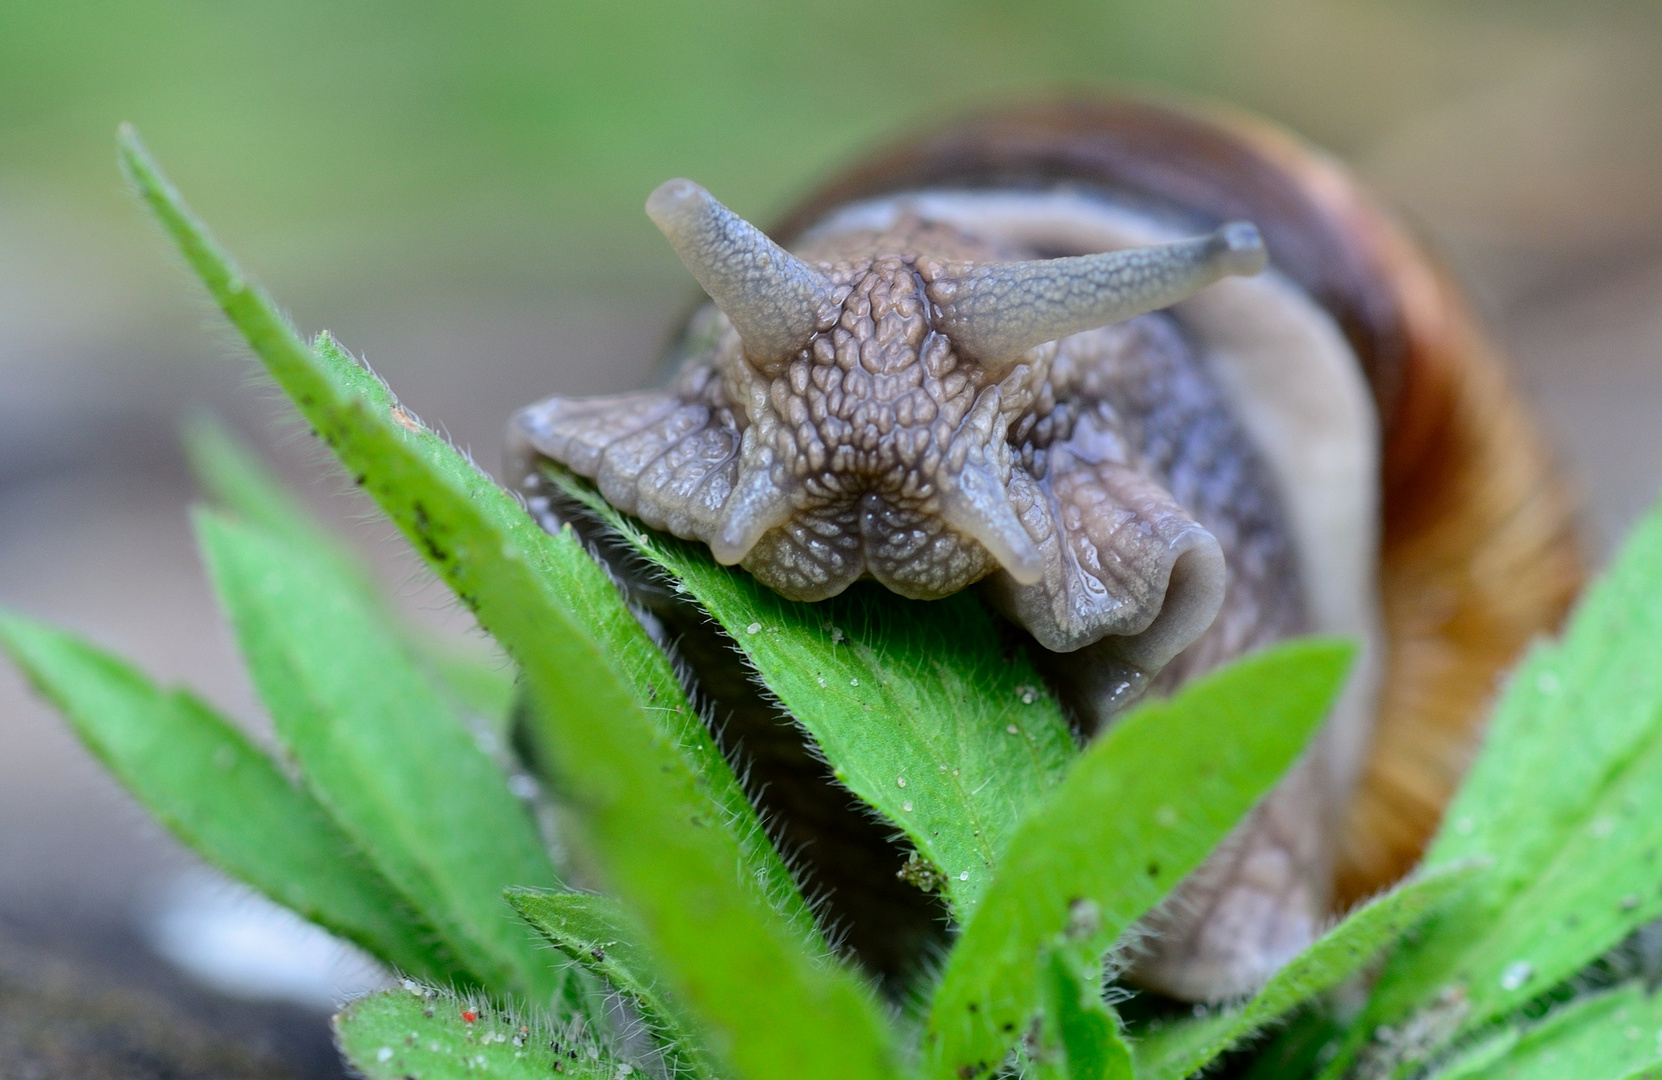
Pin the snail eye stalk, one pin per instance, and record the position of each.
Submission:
(995, 312)
(774, 300)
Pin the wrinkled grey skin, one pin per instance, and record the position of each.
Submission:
(898, 407)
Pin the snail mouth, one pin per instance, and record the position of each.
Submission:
(909, 550)
(916, 553)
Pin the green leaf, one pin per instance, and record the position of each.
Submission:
(1608, 1036)
(1563, 799)
(427, 1034)
(1180, 1049)
(597, 933)
(1140, 809)
(1473, 1062)
(482, 683)
(541, 593)
(1079, 1028)
(235, 478)
(632, 755)
(923, 712)
(378, 746)
(202, 778)
(1299, 1047)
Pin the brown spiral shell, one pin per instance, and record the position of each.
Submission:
(1478, 552)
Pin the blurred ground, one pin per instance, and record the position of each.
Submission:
(456, 193)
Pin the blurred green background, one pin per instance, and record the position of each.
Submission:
(456, 190)
(462, 183)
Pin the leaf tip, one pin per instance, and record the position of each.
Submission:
(1328, 659)
(134, 158)
(18, 633)
(1336, 649)
(127, 140)
(11, 626)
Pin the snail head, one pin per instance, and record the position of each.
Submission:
(875, 392)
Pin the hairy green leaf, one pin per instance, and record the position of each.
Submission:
(482, 683)
(1608, 1036)
(542, 593)
(1080, 1032)
(1563, 800)
(1473, 1062)
(680, 842)
(923, 711)
(1139, 810)
(598, 934)
(1180, 1049)
(235, 478)
(432, 1035)
(378, 746)
(1299, 1047)
(202, 778)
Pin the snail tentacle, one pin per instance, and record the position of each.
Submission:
(995, 312)
(774, 300)
(978, 505)
(758, 504)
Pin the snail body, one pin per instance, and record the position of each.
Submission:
(1039, 354)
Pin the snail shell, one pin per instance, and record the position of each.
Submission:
(1032, 353)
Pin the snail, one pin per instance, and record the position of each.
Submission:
(1163, 384)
